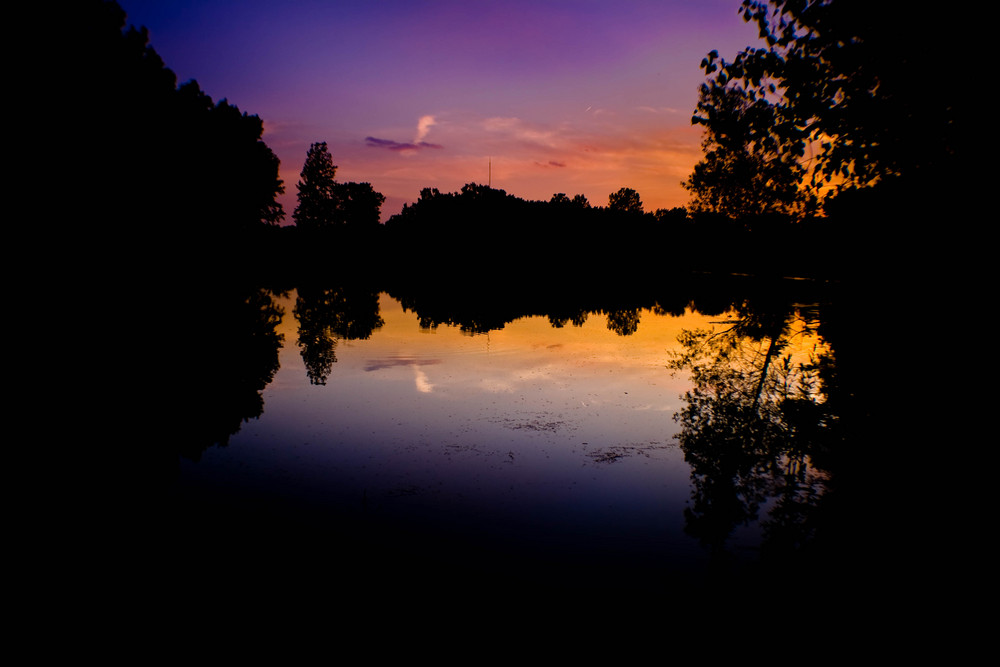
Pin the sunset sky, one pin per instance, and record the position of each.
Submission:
(574, 96)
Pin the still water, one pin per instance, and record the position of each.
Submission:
(544, 447)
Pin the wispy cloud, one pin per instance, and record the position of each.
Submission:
(658, 110)
(527, 134)
(424, 125)
(392, 145)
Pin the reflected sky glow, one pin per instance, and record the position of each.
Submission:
(545, 439)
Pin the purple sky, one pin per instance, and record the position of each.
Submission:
(578, 96)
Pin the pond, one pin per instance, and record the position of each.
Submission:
(365, 435)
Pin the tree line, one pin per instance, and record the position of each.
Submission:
(160, 156)
(824, 120)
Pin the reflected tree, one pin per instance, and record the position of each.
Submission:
(228, 370)
(565, 316)
(624, 322)
(755, 430)
(317, 318)
(328, 314)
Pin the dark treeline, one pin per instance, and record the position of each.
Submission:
(499, 236)
(175, 174)
(176, 182)
(189, 181)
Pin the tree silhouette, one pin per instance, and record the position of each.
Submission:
(319, 195)
(325, 204)
(155, 151)
(625, 200)
(228, 367)
(671, 215)
(623, 321)
(843, 82)
(746, 172)
(360, 204)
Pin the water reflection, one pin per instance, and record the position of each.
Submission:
(326, 314)
(231, 363)
(756, 428)
(550, 442)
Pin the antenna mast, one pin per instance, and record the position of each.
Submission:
(489, 183)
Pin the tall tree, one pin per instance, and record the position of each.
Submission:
(319, 194)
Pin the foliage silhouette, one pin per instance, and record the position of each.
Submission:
(624, 322)
(842, 81)
(745, 173)
(324, 204)
(626, 200)
(564, 203)
(227, 369)
(671, 216)
(318, 194)
(479, 230)
(360, 205)
(162, 151)
(479, 307)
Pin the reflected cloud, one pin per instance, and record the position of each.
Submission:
(424, 385)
